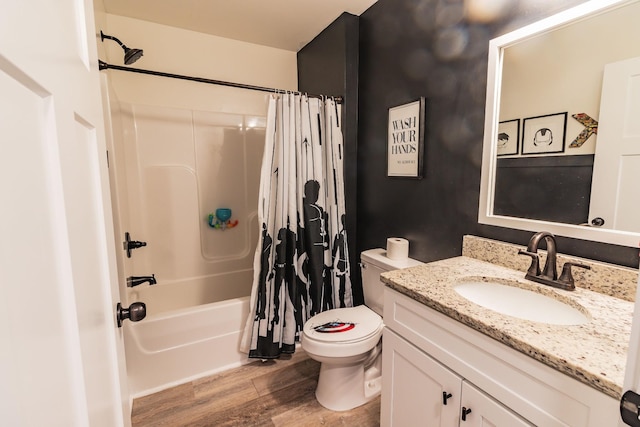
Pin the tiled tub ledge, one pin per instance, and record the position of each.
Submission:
(593, 353)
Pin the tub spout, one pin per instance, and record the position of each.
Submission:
(139, 280)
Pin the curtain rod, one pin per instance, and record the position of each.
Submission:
(105, 66)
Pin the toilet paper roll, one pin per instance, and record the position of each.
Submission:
(397, 248)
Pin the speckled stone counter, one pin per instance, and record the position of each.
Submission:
(594, 353)
(608, 279)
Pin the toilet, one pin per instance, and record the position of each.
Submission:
(347, 341)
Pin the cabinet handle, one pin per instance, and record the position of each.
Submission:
(465, 412)
(445, 396)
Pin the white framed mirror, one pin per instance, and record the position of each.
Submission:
(548, 76)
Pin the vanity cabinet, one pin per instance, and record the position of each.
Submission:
(428, 355)
(418, 390)
(481, 410)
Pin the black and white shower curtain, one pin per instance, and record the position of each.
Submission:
(301, 265)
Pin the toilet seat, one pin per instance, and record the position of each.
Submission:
(342, 332)
(343, 324)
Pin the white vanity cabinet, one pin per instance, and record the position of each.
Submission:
(418, 390)
(480, 410)
(426, 354)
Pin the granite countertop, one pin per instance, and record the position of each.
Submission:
(594, 353)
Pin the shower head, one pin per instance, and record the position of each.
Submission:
(130, 55)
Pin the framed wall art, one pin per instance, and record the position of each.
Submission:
(508, 137)
(405, 139)
(544, 134)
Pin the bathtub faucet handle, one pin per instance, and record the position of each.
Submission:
(129, 244)
(139, 280)
(136, 312)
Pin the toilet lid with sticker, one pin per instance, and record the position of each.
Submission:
(343, 324)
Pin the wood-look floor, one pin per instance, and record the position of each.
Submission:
(273, 393)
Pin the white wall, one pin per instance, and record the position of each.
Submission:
(562, 70)
(173, 50)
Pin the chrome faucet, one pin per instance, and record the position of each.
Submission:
(139, 280)
(549, 275)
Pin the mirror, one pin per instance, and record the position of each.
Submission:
(540, 171)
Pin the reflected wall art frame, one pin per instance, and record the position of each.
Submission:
(544, 134)
(508, 137)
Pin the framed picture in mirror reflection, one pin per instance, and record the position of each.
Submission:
(508, 137)
(544, 134)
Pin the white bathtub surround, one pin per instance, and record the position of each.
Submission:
(301, 264)
(181, 165)
(170, 296)
(172, 168)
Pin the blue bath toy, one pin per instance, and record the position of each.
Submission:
(222, 219)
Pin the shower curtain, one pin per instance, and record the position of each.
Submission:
(301, 264)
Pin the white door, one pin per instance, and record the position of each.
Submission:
(616, 170)
(614, 195)
(59, 357)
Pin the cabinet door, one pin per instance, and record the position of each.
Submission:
(416, 390)
(480, 410)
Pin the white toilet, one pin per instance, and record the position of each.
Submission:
(347, 341)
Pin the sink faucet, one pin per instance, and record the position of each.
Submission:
(550, 270)
(139, 280)
(549, 275)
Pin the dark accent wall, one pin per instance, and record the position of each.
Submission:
(413, 48)
(408, 49)
(328, 65)
(551, 188)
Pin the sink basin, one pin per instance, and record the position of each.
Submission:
(520, 303)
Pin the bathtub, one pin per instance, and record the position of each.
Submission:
(172, 347)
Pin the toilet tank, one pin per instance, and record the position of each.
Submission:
(373, 262)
